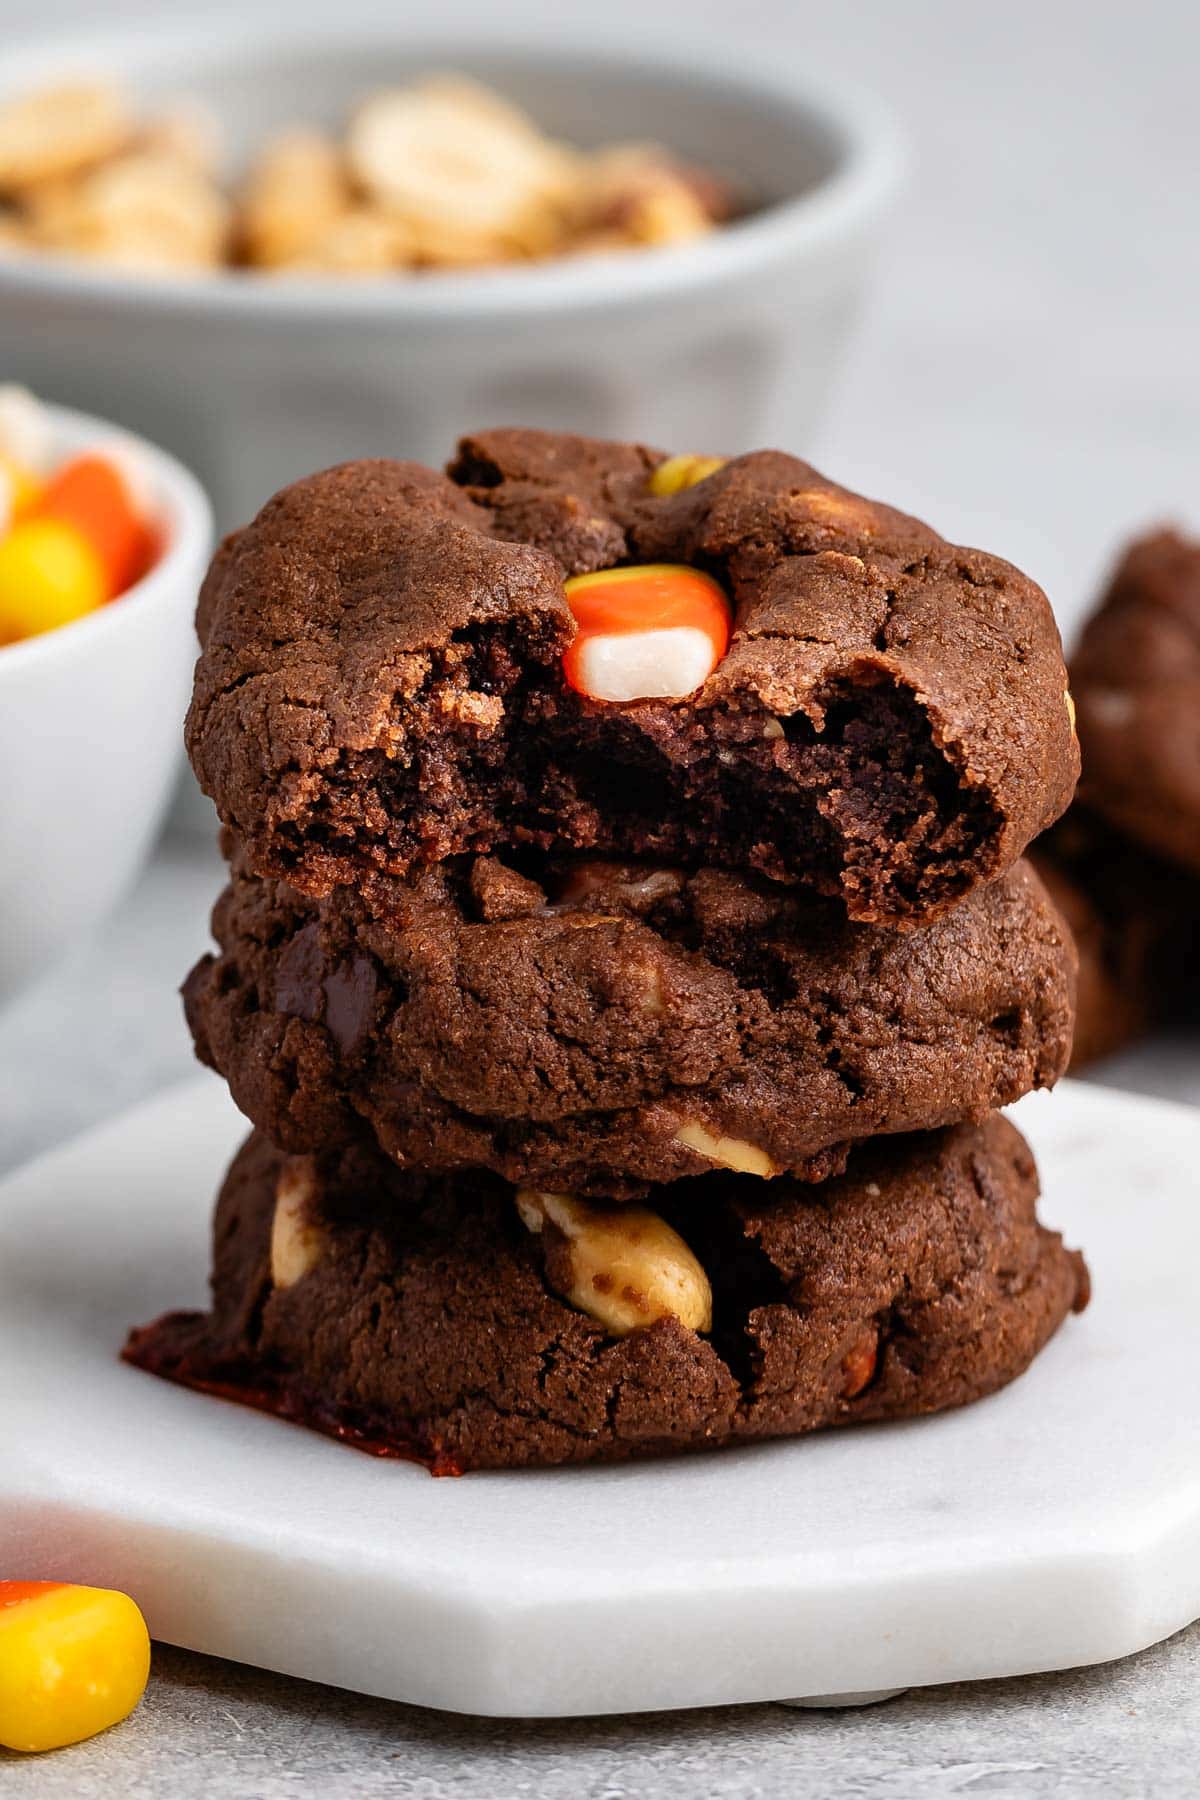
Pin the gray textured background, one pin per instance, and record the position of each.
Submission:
(1029, 377)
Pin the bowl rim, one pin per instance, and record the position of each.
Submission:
(190, 521)
(868, 162)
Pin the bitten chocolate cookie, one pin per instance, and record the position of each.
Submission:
(604, 1026)
(1133, 916)
(382, 682)
(466, 1325)
(1136, 682)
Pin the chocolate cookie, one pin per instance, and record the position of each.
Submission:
(1136, 682)
(604, 1026)
(444, 1318)
(381, 682)
(1133, 916)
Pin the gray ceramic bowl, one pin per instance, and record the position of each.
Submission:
(716, 345)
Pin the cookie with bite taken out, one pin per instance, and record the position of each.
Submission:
(771, 675)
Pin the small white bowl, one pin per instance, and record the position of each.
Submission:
(718, 345)
(91, 719)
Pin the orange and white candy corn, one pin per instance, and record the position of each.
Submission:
(651, 631)
(73, 1661)
(104, 494)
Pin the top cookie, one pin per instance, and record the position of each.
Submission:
(1136, 680)
(381, 681)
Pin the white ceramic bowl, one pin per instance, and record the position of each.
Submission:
(91, 719)
(718, 345)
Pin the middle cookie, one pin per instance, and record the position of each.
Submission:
(604, 1027)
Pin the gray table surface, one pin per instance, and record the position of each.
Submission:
(1027, 376)
(210, 1728)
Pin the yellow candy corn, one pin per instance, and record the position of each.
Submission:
(49, 575)
(73, 1661)
(19, 489)
(679, 472)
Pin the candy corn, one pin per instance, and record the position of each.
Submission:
(679, 472)
(652, 631)
(26, 431)
(73, 536)
(49, 575)
(20, 489)
(73, 1661)
(97, 494)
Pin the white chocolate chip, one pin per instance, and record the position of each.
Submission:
(653, 1000)
(772, 728)
(297, 1240)
(658, 884)
(729, 1152)
(639, 887)
(850, 511)
(627, 1267)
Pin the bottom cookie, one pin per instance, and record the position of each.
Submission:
(467, 1325)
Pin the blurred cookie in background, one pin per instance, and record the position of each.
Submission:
(1133, 916)
(1123, 864)
(1135, 676)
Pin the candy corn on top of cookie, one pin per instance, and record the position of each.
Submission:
(75, 532)
(650, 631)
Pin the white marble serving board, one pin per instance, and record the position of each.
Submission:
(1055, 1524)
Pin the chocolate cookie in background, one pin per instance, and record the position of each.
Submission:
(470, 1325)
(1124, 862)
(381, 682)
(1135, 918)
(603, 1026)
(1135, 677)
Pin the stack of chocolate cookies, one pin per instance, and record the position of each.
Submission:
(625, 954)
